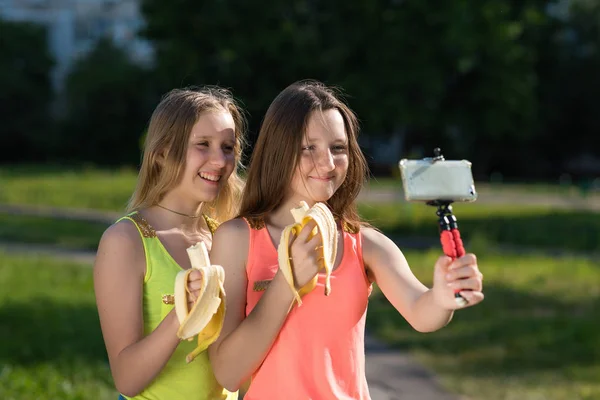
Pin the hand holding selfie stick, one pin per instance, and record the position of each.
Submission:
(451, 241)
(439, 183)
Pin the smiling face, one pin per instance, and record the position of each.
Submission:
(210, 157)
(323, 160)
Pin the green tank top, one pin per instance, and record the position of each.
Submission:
(178, 380)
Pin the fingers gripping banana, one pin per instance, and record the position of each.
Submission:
(205, 319)
(326, 226)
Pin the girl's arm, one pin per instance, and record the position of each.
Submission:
(426, 310)
(135, 360)
(245, 341)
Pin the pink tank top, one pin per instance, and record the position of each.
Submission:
(319, 352)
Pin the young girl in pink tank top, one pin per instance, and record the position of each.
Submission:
(307, 150)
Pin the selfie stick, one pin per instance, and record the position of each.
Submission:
(449, 234)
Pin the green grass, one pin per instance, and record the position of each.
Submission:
(53, 231)
(50, 341)
(523, 225)
(535, 336)
(59, 187)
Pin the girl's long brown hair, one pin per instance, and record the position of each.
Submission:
(166, 144)
(276, 153)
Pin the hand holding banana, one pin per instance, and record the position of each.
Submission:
(201, 287)
(194, 285)
(314, 249)
(461, 274)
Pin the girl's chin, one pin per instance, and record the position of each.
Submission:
(205, 197)
(317, 199)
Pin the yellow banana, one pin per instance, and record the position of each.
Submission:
(205, 319)
(326, 226)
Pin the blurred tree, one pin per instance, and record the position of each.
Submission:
(25, 92)
(254, 48)
(109, 100)
(571, 111)
(462, 75)
(459, 75)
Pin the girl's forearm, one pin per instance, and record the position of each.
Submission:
(240, 354)
(139, 363)
(427, 315)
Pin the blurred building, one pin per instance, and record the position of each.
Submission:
(74, 26)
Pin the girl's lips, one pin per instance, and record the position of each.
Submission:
(210, 176)
(321, 179)
(211, 182)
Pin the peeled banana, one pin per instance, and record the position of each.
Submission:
(326, 226)
(205, 319)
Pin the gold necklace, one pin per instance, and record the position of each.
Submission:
(178, 213)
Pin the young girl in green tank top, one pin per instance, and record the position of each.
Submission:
(187, 182)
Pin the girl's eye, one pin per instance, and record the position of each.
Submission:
(228, 149)
(308, 148)
(203, 144)
(340, 148)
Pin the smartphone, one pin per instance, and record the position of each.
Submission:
(430, 180)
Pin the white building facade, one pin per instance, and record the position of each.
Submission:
(74, 27)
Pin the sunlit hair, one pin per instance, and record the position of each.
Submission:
(166, 146)
(276, 154)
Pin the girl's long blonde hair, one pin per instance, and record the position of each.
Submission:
(166, 143)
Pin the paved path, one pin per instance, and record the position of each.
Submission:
(107, 217)
(393, 375)
(489, 195)
(81, 256)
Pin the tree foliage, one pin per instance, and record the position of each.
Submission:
(510, 85)
(108, 101)
(458, 74)
(25, 91)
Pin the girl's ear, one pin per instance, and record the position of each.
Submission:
(162, 157)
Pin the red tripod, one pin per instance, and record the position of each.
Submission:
(450, 237)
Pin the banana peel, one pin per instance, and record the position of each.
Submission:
(205, 319)
(326, 227)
